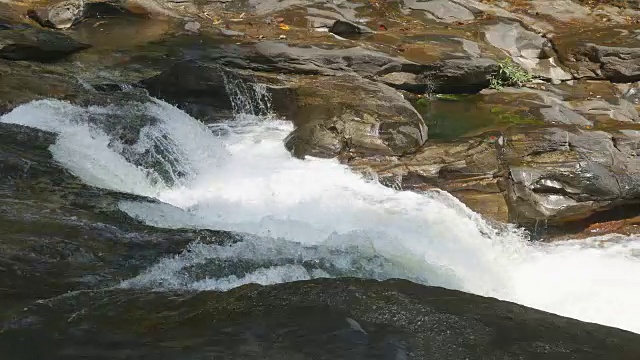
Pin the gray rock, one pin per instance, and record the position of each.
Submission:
(592, 54)
(621, 64)
(37, 45)
(197, 88)
(622, 111)
(467, 168)
(463, 74)
(530, 50)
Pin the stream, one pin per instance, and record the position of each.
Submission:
(314, 218)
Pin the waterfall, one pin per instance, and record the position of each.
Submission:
(304, 219)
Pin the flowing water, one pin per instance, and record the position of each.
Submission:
(305, 219)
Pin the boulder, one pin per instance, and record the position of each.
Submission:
(461, 72)
(37, 45)
(568, 174)
(318, 319)
(212, 93)
(352, 115)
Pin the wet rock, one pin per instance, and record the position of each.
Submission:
(355, 116)
(622, 110)
(60, 14)
(37, 45)
(568, 104)
(197, 88)
(567, 174)
(345, 28)
(320, 319)
(464, 72)
(404, 81)
(469, 169)
(24, 81)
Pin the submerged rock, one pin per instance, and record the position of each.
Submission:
(318, 319)
(37, 45)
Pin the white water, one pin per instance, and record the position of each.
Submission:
(315, 218)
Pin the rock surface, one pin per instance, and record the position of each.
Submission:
(319, 319)
(567, 174)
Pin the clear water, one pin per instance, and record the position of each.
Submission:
(314, 218)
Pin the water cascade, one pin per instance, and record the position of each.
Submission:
(313, 218)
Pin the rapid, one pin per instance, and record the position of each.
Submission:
(304, 219)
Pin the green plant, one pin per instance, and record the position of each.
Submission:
(509, 74)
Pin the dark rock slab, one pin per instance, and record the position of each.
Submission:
(319, 319)
(37, 45)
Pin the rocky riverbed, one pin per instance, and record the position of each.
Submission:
(410, 94)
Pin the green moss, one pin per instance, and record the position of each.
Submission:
(451, 97)
(422, 102)
(505, 117)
